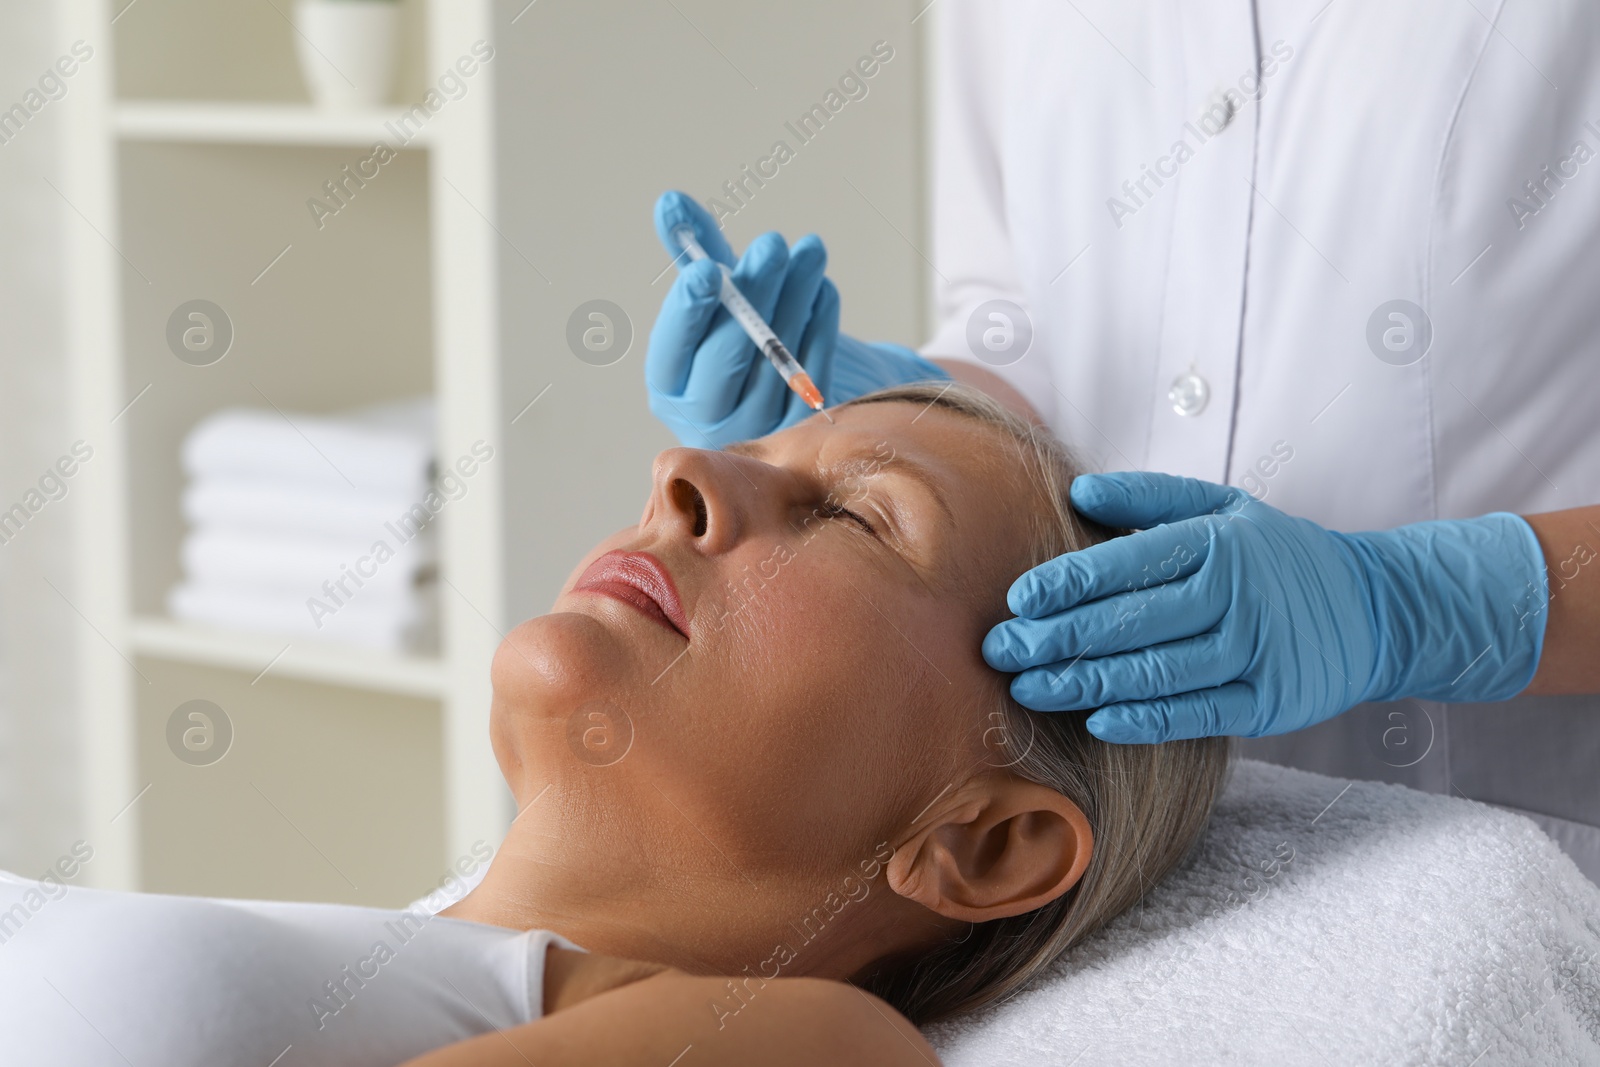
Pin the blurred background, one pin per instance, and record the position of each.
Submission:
(285, 280)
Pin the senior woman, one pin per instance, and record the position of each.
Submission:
(822, 818)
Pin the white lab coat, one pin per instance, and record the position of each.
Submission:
(1334, 157)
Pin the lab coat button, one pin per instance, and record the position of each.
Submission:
(1219, 113)
(1189, 394)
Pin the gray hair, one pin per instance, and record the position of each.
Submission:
(1147, 805)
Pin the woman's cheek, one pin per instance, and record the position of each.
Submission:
(769, 581)
(797, 618)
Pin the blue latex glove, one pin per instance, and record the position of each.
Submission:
(1234, 618)
(706, 380)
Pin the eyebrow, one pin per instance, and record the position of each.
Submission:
(898, 465)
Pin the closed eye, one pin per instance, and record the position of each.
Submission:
(837, 511)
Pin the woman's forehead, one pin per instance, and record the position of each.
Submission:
(959, 456)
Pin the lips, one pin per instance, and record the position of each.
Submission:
(637, 579)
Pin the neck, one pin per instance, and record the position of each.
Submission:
(700, 921)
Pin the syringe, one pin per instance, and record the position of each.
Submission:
(756, 327)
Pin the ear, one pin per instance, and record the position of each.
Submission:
(1000, 846)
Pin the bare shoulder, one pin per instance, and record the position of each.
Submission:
(849, 1025)
(781, 1022)
(667, 1016)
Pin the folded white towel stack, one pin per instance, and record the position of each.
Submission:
(313, 525)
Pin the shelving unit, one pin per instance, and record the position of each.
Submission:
(206, 122)
(189, 179)
(258, 655)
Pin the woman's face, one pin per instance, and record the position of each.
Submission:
(778, 668)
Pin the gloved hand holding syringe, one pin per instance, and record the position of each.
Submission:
(756, 327)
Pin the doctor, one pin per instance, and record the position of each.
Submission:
(1326, 267)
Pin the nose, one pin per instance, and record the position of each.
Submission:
(703, 497)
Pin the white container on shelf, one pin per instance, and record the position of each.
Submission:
(347, 50)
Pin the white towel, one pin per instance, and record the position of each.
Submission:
(388, 626)
(260, 505)
(299, 565)
(379, 450)
(1407, 928)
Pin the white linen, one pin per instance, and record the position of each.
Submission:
(313, 525)
(293, 564)
(262, 504)
(95, 978)
(384, 623)
(381, 455)
(1326, 922)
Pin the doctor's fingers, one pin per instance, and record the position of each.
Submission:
(723, 373)
(1195, 663)
(802, 281)
(1228, 710)
(681, 325)
(771, 401)
(1170, 612)
(1138, 500)
(1142, 560)
(674, 209)
(816, 351)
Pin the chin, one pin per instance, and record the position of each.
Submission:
(545, 672)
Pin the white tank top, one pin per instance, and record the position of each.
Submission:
(90, 977)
